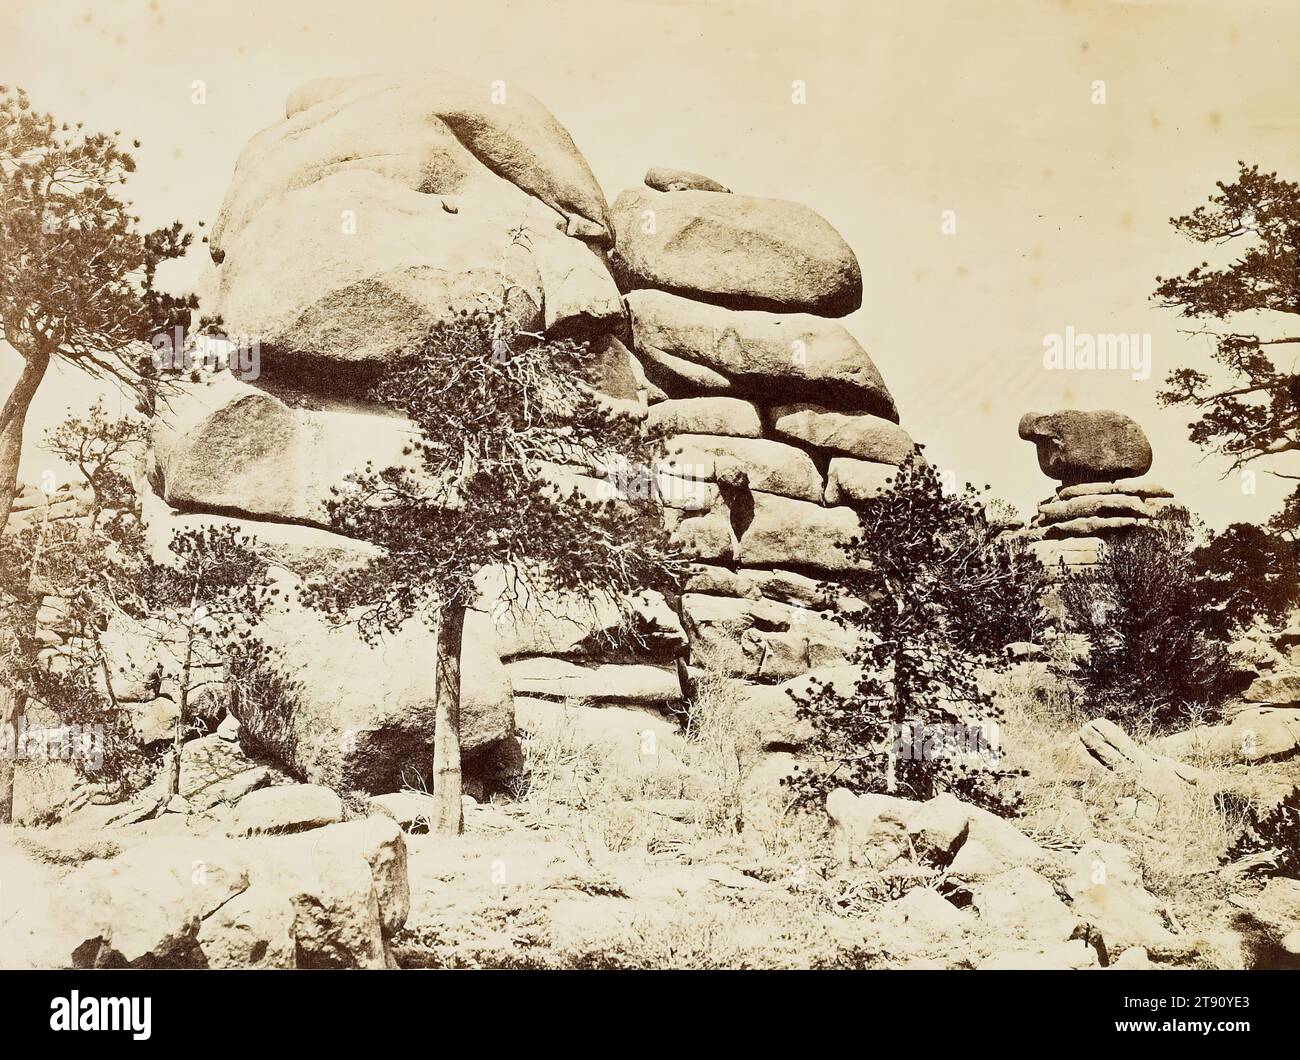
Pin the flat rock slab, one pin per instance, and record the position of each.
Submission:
(286, 808)
(863, 436)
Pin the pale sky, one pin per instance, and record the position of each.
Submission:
(913, 107)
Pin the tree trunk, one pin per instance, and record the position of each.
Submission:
(12, 418)
(448, 813)
(183, 710)
(12, 707)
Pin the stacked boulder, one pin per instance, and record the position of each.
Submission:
(379, 207)
(771, 414)
(1098, 458)
(383, 205)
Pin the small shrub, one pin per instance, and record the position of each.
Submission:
(1154, 662)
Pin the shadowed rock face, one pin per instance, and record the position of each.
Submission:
(1075, 446)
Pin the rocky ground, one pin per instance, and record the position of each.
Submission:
(608, 856)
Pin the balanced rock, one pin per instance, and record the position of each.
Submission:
(734, 250)
(1077, 447)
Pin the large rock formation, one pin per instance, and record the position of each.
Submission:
(378, 207)
(382, 205)
(773, 419)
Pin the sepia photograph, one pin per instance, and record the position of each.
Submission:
(615, 486)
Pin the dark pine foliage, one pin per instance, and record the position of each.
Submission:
(1248, 403)
(1276, 834)
(1154, 660)
(941, 596)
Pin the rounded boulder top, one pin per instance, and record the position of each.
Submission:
(1077, 446)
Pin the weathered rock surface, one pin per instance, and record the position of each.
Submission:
(734, 250)
(1251, 736)
(849, 480)
(938, 830)
(223, 445)
(791, 533)
(641, 627)
(1274, 688)
(707, 536)
(866, 437)
(706, 415)
(214, 771)
(1021, 904)
(794, 354)
(1073, 552)
(783, 586)
(1105, 889)
(1112, 748)
(639, 683)
(761, 639)
(383, 204)
(1132, 486)
(286, 808)
(1091, 506)
(413, 810)
(1078, 447)
(746, 463)
(329, 898)
(1102, 526)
